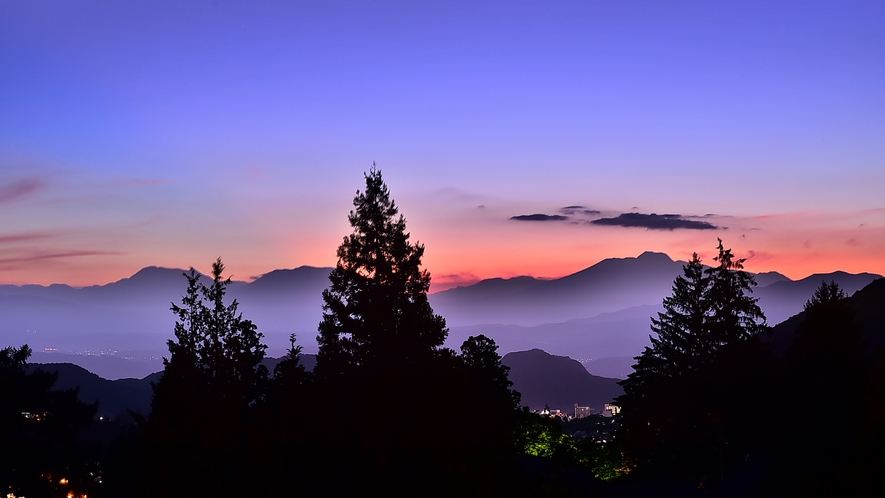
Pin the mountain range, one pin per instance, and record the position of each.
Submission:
(599, 315)
(542, 379)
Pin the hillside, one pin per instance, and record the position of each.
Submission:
(114, 396)
(869, 306)
(558, 382)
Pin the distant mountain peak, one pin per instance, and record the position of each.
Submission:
(153, 275)
(770, 277)
(155, 270)
(657, 256)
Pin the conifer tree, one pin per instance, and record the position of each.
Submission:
(213, 340)
(198, 428)
(829, 343)
(669, 408)
(735, 314)
(709, 309)
(681, 329)
(827, 360)
(376, 313)
(397, 391)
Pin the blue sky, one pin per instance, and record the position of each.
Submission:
(139, 133)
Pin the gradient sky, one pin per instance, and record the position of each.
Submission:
(169, 133)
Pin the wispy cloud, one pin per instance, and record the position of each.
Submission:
(20, 189)
(654, 222)
(23, 237)
(15, 262)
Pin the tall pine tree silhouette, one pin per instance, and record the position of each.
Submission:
(376, 314)
(673, 402)
(396, 423)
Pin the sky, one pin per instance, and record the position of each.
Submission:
(170, 133)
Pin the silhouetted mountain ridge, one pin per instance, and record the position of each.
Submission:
(114, 396)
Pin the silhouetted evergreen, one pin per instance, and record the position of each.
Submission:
(401, 414)
(376, 315)
(826, 373)
(736, 315)
(678, 416)
(40, 454)
(198, 431)
(680, 344)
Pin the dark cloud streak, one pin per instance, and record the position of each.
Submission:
(654, 222)
(571, 210)
(539, 217)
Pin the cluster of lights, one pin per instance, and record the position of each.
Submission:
(71, 494)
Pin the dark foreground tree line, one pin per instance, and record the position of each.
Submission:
(711, 404)
(710, 408)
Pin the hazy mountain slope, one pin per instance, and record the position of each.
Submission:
(767, 278)
(283, 302)
(615, 367)
(106, 366)
(134, 313)
(869, 307)
(558, 381)
(610, 285)
(620, 333)
(784, 299)
(597, 312)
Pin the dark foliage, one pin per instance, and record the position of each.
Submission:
(376, 315)
(679, 412)
(737, 419)
(41, 455)
(403, 414)
(197, 436)
(827, 361)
